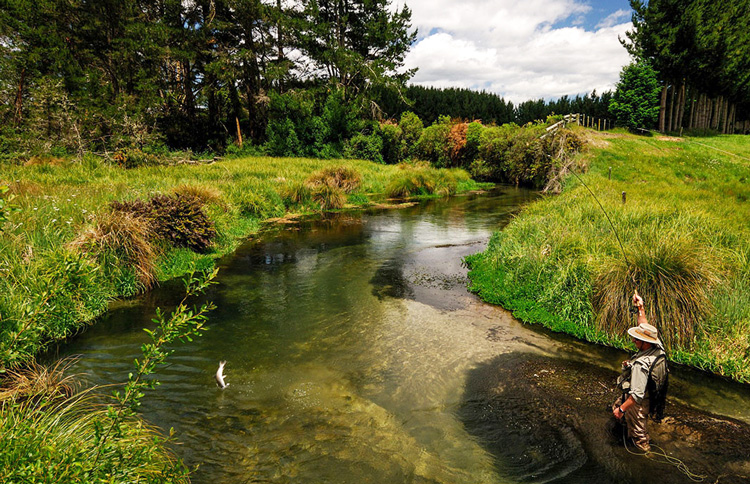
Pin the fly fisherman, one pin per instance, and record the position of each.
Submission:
(634, 404)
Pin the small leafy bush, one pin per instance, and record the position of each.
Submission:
(134, 157)
(247, 149)
(457, 143)
(282, 139)
(179, 220)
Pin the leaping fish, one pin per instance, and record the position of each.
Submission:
(220, 375)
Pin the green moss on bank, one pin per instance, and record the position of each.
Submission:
(50, 287)
(685, 228)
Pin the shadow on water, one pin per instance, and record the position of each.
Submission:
(546, 420)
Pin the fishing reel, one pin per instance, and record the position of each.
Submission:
(633, 310)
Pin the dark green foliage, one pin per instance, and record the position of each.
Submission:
(701, 45)
(357, 43)
(366, 147)
(391, 135)
(180, 221)
(109, 75)
(411, 130)
(292, 128)
(635, 103)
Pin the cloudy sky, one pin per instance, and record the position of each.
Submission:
(519, 49)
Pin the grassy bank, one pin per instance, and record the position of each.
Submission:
(89, 231)
(685, 228)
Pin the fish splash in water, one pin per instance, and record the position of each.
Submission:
(220, 375)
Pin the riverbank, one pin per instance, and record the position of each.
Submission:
(685, 232)
(88, 232)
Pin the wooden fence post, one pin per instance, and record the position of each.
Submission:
(239, 133)
(624, 197)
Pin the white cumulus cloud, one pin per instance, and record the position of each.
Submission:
(516, 49)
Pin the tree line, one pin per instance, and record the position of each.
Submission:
(429, 103)
(700, 51)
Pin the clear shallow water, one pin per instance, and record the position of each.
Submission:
(350, 342)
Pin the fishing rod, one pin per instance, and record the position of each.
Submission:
(606, 215)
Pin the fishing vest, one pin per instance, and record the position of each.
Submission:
(656, 385)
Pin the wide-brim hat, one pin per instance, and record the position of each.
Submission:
(645, 332)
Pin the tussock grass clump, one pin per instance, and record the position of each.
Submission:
(261, 203)
(411, 181)
(38, 381)
(329, 197)
(126, 236)
(341, 177)
(674, 276)
(420, 180)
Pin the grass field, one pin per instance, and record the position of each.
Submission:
(685, 230)
(66, 253)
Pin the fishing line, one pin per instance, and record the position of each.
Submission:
(606, 215)
(668, 459)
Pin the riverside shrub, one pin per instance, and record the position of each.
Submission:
(411, 130)
(365, 147)
(434, 145)
(392, 135)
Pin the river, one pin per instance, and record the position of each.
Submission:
(356, 355)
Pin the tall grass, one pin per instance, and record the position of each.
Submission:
(685, 232)
(50, 434)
